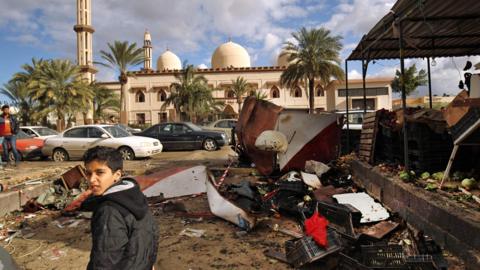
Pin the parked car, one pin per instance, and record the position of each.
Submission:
(128, 128)
(225, 125)
(73, 142)
(183, 136)
(39, 131)
(27, 147)
(355, 119)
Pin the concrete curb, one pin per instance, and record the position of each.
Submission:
(14, 200)
(455, 228)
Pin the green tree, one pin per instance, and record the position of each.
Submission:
(17, 91)
(191, 95)
(412, 79)
(121, 57)
(59, 82)
(260, 96)
(314, 54)
(104, 100)
(239, 89)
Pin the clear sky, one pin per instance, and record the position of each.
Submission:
(192, 29)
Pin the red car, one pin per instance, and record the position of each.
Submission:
(27, 147)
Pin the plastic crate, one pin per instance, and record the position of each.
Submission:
(467, 121)
(384, 257)
(304, 250)
(349, 263)
(420, 262)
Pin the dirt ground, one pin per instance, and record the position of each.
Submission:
(51, 241)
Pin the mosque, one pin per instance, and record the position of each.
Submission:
(148, 88)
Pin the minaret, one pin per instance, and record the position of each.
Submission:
(84, 31)
(147, 51)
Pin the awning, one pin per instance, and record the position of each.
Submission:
(430, 29)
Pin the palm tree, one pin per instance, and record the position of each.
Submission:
(18, 91)
(239, 89)
(190, 94)
(314, 54)
(121, 56)
(59, 82)
(260, 96)
(412, 80)
(103, 100)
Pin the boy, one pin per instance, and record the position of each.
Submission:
(124, 233)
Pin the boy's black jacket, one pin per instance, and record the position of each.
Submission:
(124, 233)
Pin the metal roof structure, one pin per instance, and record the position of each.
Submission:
(430, 28)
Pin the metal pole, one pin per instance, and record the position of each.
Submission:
(364, 74)
(429, 82)
(404, 99)
(346, 105)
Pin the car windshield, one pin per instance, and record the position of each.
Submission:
(43, 131)
(117, 132)
(193, 126)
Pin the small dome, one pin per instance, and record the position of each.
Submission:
(282, 60)
(230, 54)
(168, 61)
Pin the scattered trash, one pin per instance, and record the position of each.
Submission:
(381, 229)
(316, 167)
(192, 232)
(371, 210)
(277, 255)
(311, 180)
(54, 254)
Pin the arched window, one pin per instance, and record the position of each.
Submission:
(274, 92)
(139, 97)
(319, 92)
(230, 94)
(297, 92)
(161, 95)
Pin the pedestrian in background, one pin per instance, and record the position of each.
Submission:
(9, 127)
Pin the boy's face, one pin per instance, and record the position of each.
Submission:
(100, 176)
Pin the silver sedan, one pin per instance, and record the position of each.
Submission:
(74, 142)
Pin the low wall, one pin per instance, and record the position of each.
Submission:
(14, 200)
(455, 228)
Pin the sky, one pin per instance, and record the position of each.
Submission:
(192, 29)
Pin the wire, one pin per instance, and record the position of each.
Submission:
(30, 253)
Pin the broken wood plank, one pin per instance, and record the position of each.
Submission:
(277, 255)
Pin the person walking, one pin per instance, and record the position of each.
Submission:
(9, 127)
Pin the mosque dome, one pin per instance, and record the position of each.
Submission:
(230, 54)
(282, 60)
(168, 61)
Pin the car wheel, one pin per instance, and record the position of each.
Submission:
(209, 144)
(127, 153)
(59, 155)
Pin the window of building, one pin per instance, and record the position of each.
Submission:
(319, 92)
(297, 92)
(162, 117)
(274, 92)
(357, 104)
(230, 94)
(139, 97)
(161, 95)
(141, 118)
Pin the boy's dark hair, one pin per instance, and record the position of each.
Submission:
(112, 157)
(5, 107)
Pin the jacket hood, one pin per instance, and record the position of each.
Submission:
(125, 193)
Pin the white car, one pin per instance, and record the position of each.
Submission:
(74, 142)
(355, 119)
(39, 132)
(224, 125)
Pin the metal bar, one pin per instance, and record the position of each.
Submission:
(429, 37)
(429, 82)
(364, 74)
(404, 98)
(444, 18)
(347, 105)
(420, 48)
(449, 165)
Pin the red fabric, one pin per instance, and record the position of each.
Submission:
(316, 227)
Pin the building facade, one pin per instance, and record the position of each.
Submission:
(147, 89)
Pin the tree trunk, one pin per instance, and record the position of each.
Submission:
(311, 97)
(238, 107)
(123, 107)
